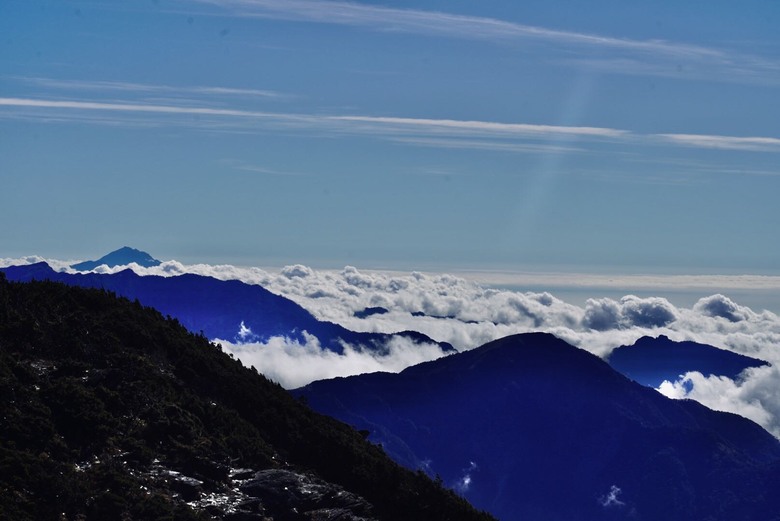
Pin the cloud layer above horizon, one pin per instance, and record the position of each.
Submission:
(455, 310)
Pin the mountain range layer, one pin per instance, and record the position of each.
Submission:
(530, 427)
(651, 361)
(228, 310)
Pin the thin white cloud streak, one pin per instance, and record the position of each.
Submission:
(387, 127)
(137, 107)
(743, 172)
(643, 56)
(123, 86)
(759, 144)
(495, 146)
(724, 67)
(86, 117)
(487, 126)
(634, 281)
(201, 118)
(265, 171)
(690, 166)
(353, 125)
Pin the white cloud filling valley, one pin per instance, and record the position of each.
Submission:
(455, 310)
(293, 364)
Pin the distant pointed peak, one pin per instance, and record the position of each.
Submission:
(121, 257)
(128, 249)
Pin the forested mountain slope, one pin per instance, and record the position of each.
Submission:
(109, 410)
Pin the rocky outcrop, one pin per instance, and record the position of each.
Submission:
(272, 494)
(294, 496)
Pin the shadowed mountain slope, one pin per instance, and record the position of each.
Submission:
(217, 308)
(650, 361)
(530, 427)
(111, 411)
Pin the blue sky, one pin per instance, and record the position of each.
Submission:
(602, 136)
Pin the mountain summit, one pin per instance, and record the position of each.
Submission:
(650, 361)
(121, 257)
(530, 427)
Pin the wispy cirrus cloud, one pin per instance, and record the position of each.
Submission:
(369, 125)
(627, 56)
(492, 127)
(257, 169)
(634, 281)
(129, 107)
(483, 144)
(419, 131)
(435, 22)
(145, 88)
(758, 144)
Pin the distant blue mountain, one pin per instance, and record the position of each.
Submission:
(217, 308)
(367, 312)
(529, 427)
(121, 257)
(650, 361)
(446, 317)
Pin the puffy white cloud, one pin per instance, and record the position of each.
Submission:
(722, 306)
(602, 314)
(753, 395)
(631, 311)
(461, 312)
(297, 270)
(647, 312)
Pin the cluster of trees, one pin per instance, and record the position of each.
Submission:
(97, 390)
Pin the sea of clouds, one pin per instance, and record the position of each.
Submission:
(466, 314)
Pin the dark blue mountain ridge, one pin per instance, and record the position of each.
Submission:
(121, 257)
(530, 427)
(370, 311)
(217, 308)
(650, 361)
